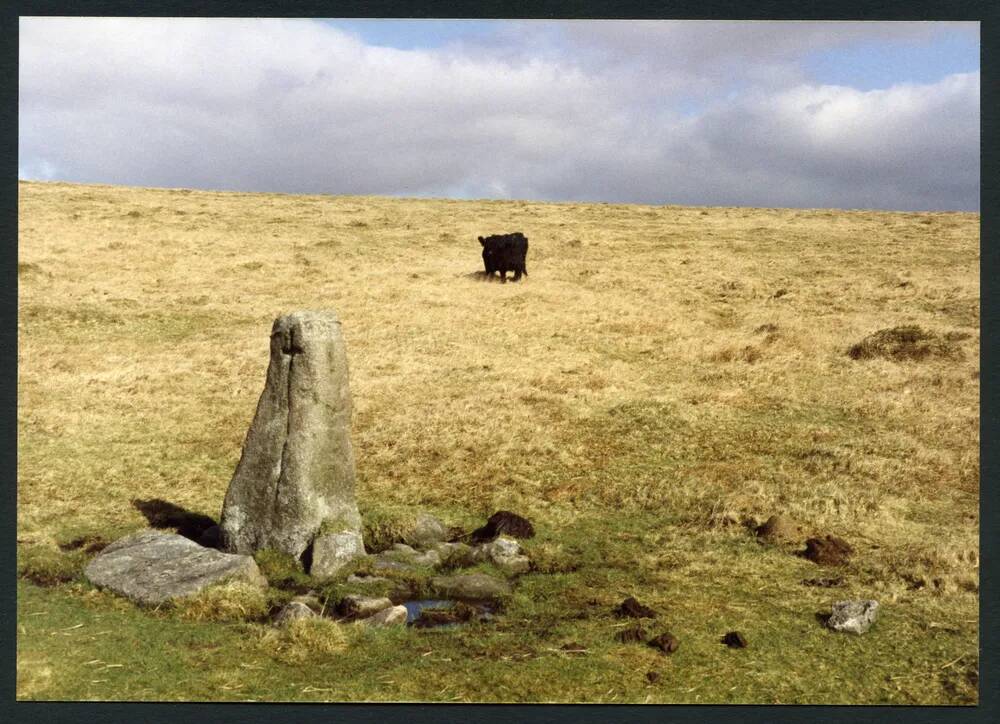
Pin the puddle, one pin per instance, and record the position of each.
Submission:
(445, 613)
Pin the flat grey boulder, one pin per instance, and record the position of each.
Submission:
(355, 606)
(151, 567)
(332, 552)
(296, 472)
(392, 616)
(471, 587)
(853, 616)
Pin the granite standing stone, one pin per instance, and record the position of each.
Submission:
(152, 567)
(296, 474)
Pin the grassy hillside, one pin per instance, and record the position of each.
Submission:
(664, 377)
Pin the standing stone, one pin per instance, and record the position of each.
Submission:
(296, 473)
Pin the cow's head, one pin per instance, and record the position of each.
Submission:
(482, 241)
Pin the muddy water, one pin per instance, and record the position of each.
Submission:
(446, 613)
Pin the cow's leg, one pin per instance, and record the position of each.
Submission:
(517, 274)
(503, 276)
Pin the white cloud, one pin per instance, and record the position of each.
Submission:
(299, 106)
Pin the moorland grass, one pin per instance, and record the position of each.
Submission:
(665, 378)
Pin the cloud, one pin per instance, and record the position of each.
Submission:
(540, 111)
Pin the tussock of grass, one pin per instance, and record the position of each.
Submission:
(47, 566)
(234, 601)
(283, 571)
(301, 641)
(384, 525)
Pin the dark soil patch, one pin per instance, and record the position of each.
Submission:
(735, 640)
(828, 551)
(631, 608)
(910, 343)
(666, 643)
(503, 522)
(632, 634)
(88, 543)
(824, 582)
(652, 676)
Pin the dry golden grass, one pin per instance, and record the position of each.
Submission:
(680, 362)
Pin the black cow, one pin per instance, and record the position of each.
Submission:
(503, 253)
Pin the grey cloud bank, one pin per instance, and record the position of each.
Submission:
(577, 111)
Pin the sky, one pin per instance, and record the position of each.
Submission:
(880, 115)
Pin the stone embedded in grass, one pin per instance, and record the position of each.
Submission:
(392, 616)
(505, 553)
(366, 580)
(853, 616)
(735, 640)
(333, 551)
(354, 606)
(152, 567)
(296, 472)
(425, 532)
(666, 642)
(293, 611)
(472, 587)
(631, 608)
(779, 529)
(828, 551)
(456, 555)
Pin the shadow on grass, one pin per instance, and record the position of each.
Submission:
(163, 514)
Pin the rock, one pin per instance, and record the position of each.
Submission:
(366, 580)
(426, 531)
(428, 559)
(734, 640)
(503, 521)
(310, 599)
(292, 612)
(505, 553)
(385, 564)
(392, 616)
(456, 555)
(473, 587)
(152, 567)
(853, 616)
(403, 549)
(630, 607)
(632, 634)
(355, 606)
(296, 473)
(828, 551)
(779, 529)
(333, 551)
(666, 642)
